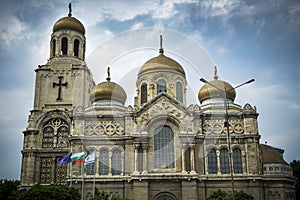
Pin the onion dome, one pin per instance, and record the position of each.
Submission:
(108, 91)
(69, 23)
(215, 89)
(161, 63)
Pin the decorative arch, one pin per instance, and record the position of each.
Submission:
(55, 134)
(165, 196)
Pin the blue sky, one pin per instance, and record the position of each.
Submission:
(245, 39)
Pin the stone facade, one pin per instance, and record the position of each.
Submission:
(159, 148)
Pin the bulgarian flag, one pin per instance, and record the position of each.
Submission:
(77, 158)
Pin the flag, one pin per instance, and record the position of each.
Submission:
(65, 159)
(77, 158)
(90, 158)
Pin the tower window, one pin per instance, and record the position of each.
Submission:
(212, 162)
(55, 134)
(64, 46)
(179, 96)
(103, 167)
(164, 148)
(76, 47)
(116, 163)
(53, 47)
(224, 161)
(143, 93)
(161, 86)
(237, 161)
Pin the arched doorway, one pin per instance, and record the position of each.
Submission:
(165, 196)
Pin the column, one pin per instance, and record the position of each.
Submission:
(136, 148)
(97, 161)
(183, 146)
(145, 158)
(218, 162)
(109, 163)
(192, 158)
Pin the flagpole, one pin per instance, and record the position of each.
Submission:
(82, 184)
(94, 183)
(71, 174)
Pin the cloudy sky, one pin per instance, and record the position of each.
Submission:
(245, 39)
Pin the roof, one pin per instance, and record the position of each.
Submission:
(271, 154)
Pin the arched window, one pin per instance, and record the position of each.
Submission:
(179, 95)
(164, 148)
(237, 161)
(103, 165)
(224, 161)
(143, 93)
(53, 47)
(76, 47)
(161, 86)
(90, 169)
(55, 134)
(64, 46)
(116, 163)
(212, 162)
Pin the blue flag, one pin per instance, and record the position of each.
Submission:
(65, 159)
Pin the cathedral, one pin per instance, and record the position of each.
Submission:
(159, 148)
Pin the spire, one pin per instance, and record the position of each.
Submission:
(108, 74)
(161, 50)
(216, 73)
(70, 10)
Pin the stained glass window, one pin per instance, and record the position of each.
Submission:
(164, 148)
(46, 170)
(224, 161)
(179, 94)
(103, 166)
(60, 173)
(212, 162)
(55, 134)
(116, 162)
(161, 86)
(143, 93)
(237, 161)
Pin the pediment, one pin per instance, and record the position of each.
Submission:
(162, 106)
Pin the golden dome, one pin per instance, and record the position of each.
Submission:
(208, 91)
(161, 62)
(69, 23)
(108, 91)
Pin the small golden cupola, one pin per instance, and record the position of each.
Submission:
(214, 90)
(161, 74)
(108, 93)
(69, 23)
(67, 39)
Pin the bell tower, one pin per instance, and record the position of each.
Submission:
(61, 86)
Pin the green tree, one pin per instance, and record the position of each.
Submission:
(50, 192)
(8, 188)
(221, 195)
(296, 172)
